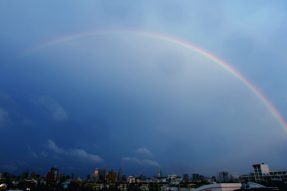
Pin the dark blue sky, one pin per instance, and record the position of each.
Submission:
(121, 99)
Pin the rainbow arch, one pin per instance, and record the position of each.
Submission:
(186, 45)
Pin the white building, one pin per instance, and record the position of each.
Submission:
(260, 171)
(263, 173)
(131, 179)
(174, 179)
(219, 187)
(250, 185)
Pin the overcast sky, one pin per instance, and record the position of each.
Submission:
(120, 99)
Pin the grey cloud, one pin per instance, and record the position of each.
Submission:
(35, 155)
(143, 159)
(77, 153)
(144, 152)
(141, 162)
(57, 111)
(52, 146)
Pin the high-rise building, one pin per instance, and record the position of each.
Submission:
(185, 178)
(111, 176)
(120, 175)
(197, 178)
(99, 175)
(53, 175)
(159, 174)
(223, 177)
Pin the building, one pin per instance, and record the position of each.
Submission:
(159, 174)
(120, 175)
(3, 186)
(261, 172)
(223, 177)
(52, 175)
(174, 179)
(219, 187)
(185, 178)
(131, 180)
(280, 176)
(252, 185)
(99, 175)
(247, 178)
(111, 177)
(197, 178)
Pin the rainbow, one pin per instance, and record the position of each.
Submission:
(186, 45)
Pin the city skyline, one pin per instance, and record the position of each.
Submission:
(262, 178)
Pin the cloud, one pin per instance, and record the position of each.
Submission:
(3, 117)
(32, 152)
(144, 152)
(52, 146)
(141, 162)
(77, 153)
(143, 159)
(87, 156)
(57, 111)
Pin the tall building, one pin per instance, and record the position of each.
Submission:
(111, 176)
(120, 175)
(159, 174)
(53, 175)
(197, 178)
(99, 175)
(185, 178)
(261, 171)
(223, 177)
